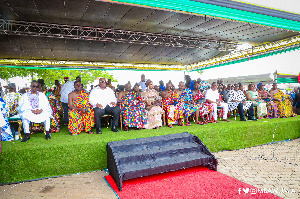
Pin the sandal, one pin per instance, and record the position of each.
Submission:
(90, 132)
(188, 124)
(171, 126)
(126, 128)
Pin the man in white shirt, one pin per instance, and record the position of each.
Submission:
(34, 107)
(104, 101)
(67, 88)
(212, 96)
(142, 83)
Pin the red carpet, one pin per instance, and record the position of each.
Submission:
(196, 182)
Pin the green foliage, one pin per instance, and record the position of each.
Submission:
(64, 154)
(49, 75)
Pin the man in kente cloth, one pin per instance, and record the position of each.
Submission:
(81, 114)
(174, 111)
(186, 97)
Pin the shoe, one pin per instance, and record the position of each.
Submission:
(114, 129)
(243, 119)
(25, 139)
(98, 131)
(252, 118)
(48, 137)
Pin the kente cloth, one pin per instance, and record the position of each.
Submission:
(79, 121)
(239, 96)
(133, 110)
(186, 99)
(54, 104)
(284, 106)
(6, 134)
(12, 101)
(154, 111)
(29, 102)
(204, 108)
(261, 106)
(271, 106)
(172, 108)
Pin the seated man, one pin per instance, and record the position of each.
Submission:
(171, 106)
(212, 96)
(237, 99)
(205, 108)
(34, 107)
(186, 98)
(132, 108)
(103, 100)
(81, 114)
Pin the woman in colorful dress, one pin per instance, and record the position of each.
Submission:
(283, 102)
(252, 95)
(6, 134)
(152, 102)
(266, 96)
(205, 109)
(171, 106)
(132, 108)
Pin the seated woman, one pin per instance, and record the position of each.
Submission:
(283, 102)
(205, 109)
(252, 95)
(152, 102)
(6, 134)
(132, 108)
(266, 96)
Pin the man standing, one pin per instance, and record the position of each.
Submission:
(67, 88)
(143, 82)
(81, 113)
(212, 96)
(34, 107)
(237, 99)
(103, 100)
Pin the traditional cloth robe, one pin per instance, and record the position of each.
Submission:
(285, 108)
(173, 108)
(154, 111)
(187, 96)
(79, 121)
(133, 110)
(12, 100)
(204, 108)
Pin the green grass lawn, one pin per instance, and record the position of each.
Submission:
(65, 154)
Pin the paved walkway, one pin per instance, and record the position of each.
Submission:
(273, 167)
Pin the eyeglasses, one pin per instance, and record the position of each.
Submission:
(34, 86)
(102, 81)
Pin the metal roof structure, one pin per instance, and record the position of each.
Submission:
(141, 34)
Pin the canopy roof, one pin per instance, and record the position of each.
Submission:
(141, 34)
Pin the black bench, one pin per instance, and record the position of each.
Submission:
(135, 158)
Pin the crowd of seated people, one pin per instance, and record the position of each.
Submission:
(142, 106)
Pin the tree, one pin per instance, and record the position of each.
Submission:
(50, 75)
